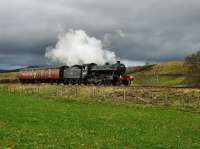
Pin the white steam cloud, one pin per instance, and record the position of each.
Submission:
(77, 47)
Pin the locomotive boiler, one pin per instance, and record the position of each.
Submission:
(108, 74)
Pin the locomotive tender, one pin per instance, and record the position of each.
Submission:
(108, 74)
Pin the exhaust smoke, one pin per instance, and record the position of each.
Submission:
(77, 47)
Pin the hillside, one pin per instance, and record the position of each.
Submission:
(169, 68)
(166, 68)
(9, 75)
(171, 73)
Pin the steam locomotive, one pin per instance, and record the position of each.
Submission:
(108, 74)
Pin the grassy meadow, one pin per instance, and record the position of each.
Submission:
(34, 122)
(70, 117)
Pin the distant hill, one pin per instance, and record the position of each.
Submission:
(139, 68)
(171, 73)
(16, 70)
(166, 68)
(7, 71)
(2, 71)
(169, 68)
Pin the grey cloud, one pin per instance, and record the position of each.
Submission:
(154, 30)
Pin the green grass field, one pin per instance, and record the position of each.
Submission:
(28, 122)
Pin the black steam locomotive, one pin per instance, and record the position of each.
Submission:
(108, 74)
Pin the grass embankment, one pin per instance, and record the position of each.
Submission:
(9, 76)
(168, 68)
(34, 122)
(163, 74)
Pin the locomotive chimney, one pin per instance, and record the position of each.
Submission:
(118, 62)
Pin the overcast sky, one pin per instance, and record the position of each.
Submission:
(137, 30)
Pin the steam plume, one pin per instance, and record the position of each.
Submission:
(76, 47)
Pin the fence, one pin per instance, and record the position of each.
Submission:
(137, 95)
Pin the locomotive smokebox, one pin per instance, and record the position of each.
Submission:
(107, 63)
(118, 62)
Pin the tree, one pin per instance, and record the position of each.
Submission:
(193, 63)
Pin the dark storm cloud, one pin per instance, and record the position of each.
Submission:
(138, 30)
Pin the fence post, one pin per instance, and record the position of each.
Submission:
(60, 90)
(166, 99)
(183, 101)
(124, 95)
(103, 92)
(93, 91)
(76, 91)
(152, 95)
